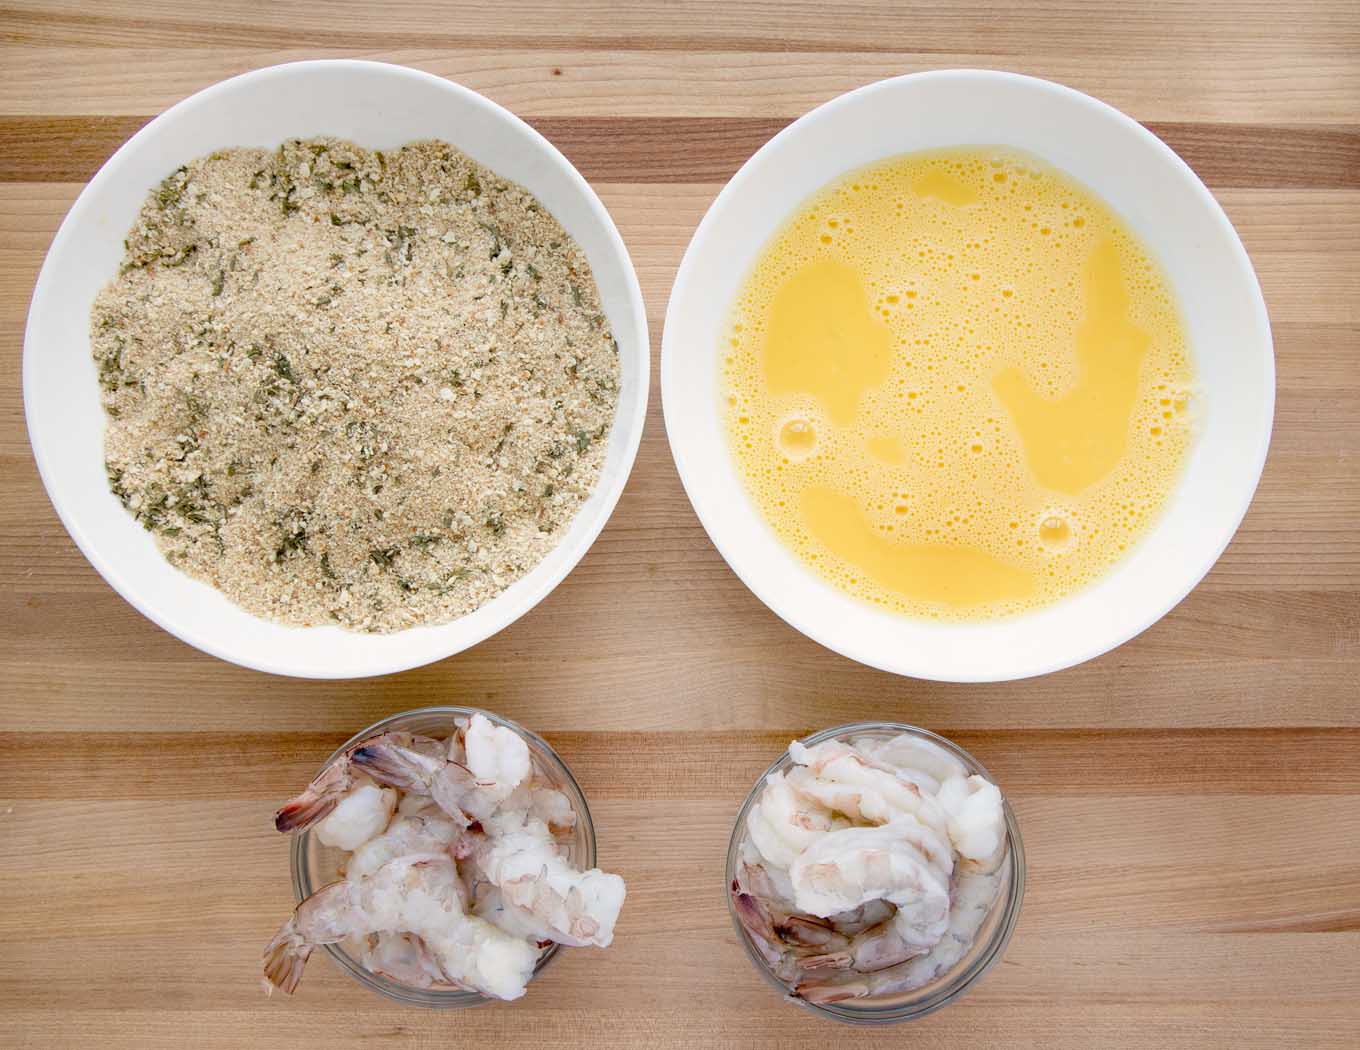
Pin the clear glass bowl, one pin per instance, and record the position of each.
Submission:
(314, 865)
(992, 936)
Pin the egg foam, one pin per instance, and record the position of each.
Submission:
(956, 385)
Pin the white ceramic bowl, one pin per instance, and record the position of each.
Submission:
(1154, 191)
(378, 106)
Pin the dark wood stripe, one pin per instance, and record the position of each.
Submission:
(710, 149)
(720, 766)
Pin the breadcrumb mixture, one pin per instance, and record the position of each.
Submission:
(354, 387)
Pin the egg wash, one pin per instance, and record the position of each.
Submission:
(956, 385)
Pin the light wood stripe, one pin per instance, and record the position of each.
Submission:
(721, 767)
(1239, 84)
(1326, 26)
(1186, 864)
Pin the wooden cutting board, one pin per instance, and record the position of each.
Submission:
(1190, 801)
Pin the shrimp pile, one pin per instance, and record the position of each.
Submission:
(457, 874)
(869, 867)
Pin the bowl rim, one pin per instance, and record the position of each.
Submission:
(300, 873)
(964, 979)
(631, 415)
(914, 662)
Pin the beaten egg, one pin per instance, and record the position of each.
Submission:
(957, 385)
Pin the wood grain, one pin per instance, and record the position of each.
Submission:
(711, 149)
(1190, 801)
(1233, 83)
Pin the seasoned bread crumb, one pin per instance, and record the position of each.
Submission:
(353, 387)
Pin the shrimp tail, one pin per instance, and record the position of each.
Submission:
(807, 931)
(754, 917)
(389, 761)
(316, 802)
(830, 961)
(824, 992)
(285, 958)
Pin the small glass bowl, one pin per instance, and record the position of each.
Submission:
(314, 865)
(988, 945)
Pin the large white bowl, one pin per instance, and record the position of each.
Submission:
(1154, 191)
(378, 106)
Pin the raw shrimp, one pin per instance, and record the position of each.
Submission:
(497, 762)
(420, 895)
(546, 803)
(911, 926)
(890, 942)
(977, 820)
(401, 957)
(842, 779)
(974, 895)
(418, 806)
(974, 898)
(844, 869)
(358, 816)
(764, 879)
(867, 915)
(783, 822)
(877, 970)
(837, 986)
(784, 937)
(430, 832)
(868, 867)
(519, 856)
(490, 904)
(496, 754)
(923, 762)
(334, 782)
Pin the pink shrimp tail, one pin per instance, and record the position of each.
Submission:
(756, 921)
(284, 959)
(823, 993)
(316, 802)
(831, 961)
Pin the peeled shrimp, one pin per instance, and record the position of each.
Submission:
(490, 904)
(924, 762)
(975, 895)
(401, 957)
(899, 863)
(868, 867)
(977, 819)
(547, 804)
(496, 755)
(783, 822)
(419, 895)
(847, 868)
(866, 916)
(427, 833)
(334, 782)
(764, 879)
(783, 937)
(357, 817)
(418, 806)
(892, 941)
(914, 973)
(842, 779)
(519, 856)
